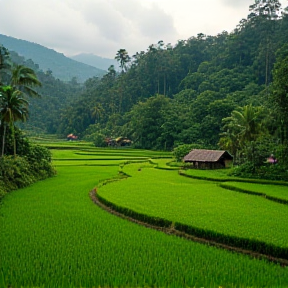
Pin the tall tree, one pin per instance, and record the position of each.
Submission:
(123, 58)
(267, 9)
(5, 62)
(244, 126)
(279, 95)
(265, 13)
(25, 79)
(13, 107)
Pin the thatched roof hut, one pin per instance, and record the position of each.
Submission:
(208, 159)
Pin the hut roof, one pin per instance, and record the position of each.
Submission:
(202, 155)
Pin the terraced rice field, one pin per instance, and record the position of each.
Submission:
(280, 192)
(200, 203)
(53, 235)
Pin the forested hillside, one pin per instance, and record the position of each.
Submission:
(227, 91)
(62, 67)
(170, 95)
(55, 95)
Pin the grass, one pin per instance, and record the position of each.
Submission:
(216, 174)
(53, 235)
(280, 192)
(96, 153)
(200, 203)
(222, 175)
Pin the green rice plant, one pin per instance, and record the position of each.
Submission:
(81, 162)
(126, 152)
(222, 175)
(59, 238)
(53, 235)
(216, 174)
(201, 205)
(164, 164)
(102, 154)
(271, 192)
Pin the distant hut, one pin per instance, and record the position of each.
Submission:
(123, 141)
(208, 159)
(71, 137)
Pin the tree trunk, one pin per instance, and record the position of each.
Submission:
(267, 66)
(164, 88)
(14, 140)
(3, 140)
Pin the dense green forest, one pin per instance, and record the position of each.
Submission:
(21, 162)
(227, 91)
(171, 95)
(55, 95)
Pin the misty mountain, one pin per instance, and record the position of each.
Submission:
(95, 61)
(61, 66)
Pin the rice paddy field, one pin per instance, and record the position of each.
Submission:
(200, 203)
(53, 235)
(280, 192)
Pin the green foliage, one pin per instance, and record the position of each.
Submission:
(180, 151)
(13, 107)
(44, 113)
(40, 159)
(40, 236)
(15, 172)
(31, 165)
(206, 78)
(123, 58)
(206, 206)
(203, 79)
(146, 120)
(98, 139)
(243, 134)
(22, 142)
(268, 171)
(279, 96)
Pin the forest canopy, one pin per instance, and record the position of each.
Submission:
(227, 91)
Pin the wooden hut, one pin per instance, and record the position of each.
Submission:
(209, 159)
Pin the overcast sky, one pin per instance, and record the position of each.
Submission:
(102, 27)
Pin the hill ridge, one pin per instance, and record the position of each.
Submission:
(61, 66)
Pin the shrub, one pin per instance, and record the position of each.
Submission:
(267, 171)
(15, 172)
(182, 150)
(18, 172)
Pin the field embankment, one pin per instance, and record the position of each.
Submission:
(53, 235)
(202, 209)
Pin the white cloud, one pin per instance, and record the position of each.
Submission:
(104, 26)
(238, 4)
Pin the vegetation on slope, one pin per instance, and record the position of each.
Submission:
(62, 67)
(21, 163)
(226, 91)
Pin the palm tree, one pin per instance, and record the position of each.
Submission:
(123, 58)
(25, 79)
(244, 126)
(13, 107)
(97, 112)
(246, 123)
